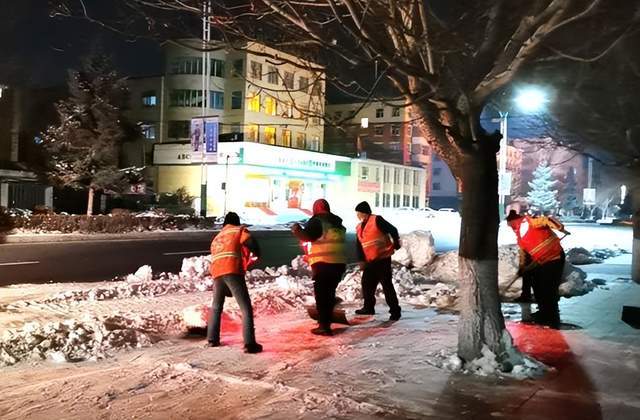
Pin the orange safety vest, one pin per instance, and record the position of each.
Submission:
(540, 243)
(375, 243)
(227, 256)
(329, 248)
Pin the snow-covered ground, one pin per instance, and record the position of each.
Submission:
(370, 369)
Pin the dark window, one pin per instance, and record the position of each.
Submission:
(377, 199)
(185, 98)
(216, 99)
(236, 100)
(406, 200)
(379, 112)
(287, 81)
(238, 66)
(217, 68)
(272, 76)
(437, 171)
(415, 202)
(256, 70)
(379, 130)
(386, 200)
(395, 112)
(303, 84)
(396, 200)
(179, 129)
(436, 186)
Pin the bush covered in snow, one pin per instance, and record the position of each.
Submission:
(112, 223)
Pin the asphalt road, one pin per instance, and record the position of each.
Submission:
(98, 260)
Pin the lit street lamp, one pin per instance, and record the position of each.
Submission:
(529, 100)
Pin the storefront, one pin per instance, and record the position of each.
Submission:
(261, 181)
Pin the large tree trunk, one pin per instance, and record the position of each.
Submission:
(481, 321)
(90, 202)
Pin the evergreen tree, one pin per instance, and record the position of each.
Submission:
(542, 195)
(84, 147)
(570, 200)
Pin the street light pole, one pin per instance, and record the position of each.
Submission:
(502, 172)
(206, 38)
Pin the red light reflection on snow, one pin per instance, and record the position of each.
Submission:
(544, 344)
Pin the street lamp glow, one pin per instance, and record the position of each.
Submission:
(531, 99)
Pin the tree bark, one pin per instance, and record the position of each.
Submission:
(90, 202)
(481, 321)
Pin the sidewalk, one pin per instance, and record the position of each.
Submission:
(374, 369)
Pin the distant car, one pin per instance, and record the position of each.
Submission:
(448, 210)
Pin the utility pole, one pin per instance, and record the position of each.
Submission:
(502, 172)
(206, 38)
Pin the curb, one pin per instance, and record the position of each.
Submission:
(79, 237)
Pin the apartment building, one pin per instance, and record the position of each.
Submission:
(259, 95)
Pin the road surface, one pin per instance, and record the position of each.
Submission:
(99, 260)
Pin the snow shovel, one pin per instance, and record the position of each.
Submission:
(530, 266)
(338, 316)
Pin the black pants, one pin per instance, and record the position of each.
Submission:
(379, 271)
(236, 285)
(325, 281)
(545, 281)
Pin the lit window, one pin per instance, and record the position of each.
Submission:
(252, 132)
(301, 140)
(148, 131)
(216, 99)
(149, 98)
(286, 138)
(254, 103)
(272, 76)
(270, 106)
(236, 100)
(364, 173)
(256, 70)
(395, 112)
(270, 135)
(380, 113)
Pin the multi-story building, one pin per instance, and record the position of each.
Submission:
(19, 118)
(259, 95)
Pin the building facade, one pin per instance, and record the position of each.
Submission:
(276, 184)
(259, 95)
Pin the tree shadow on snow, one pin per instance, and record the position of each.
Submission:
(566, 393)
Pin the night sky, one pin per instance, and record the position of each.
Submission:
(37, 49)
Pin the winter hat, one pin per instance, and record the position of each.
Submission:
(364, 207)
(231, 219)
(321, 206)
(513, 216)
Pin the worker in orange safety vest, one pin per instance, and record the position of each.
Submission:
(537, 240)
(377, 240)
(232, 251)
(323, 237)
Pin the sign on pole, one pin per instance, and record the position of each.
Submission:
(589, 196)
(211, 132)
(504, 183)
(204, 139)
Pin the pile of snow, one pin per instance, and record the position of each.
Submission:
(417, 249)
(512, 363)
(444, 269)
(580, 256)
(88, 339)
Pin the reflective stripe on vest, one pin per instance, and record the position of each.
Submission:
(226, 255)
(329, 248)
(375, 243)
(540, 243)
